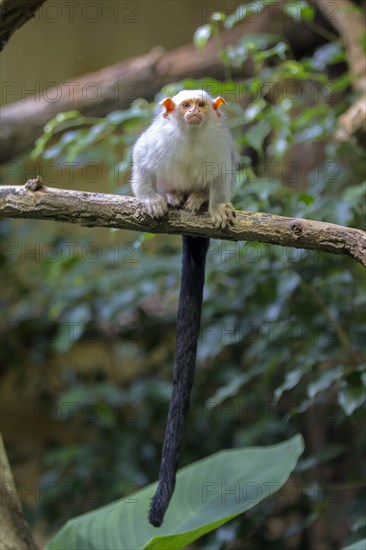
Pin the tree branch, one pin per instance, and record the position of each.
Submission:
(15, 532)
(13, 14)
(97, 209)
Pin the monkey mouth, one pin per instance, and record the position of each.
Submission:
(194, 119)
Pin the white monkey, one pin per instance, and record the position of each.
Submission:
(185, 158)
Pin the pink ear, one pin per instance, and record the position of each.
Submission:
(216, 104)
(168, 103)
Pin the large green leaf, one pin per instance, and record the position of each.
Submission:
(208, 494)
(359, 545)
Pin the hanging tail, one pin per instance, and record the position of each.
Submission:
(188, 328)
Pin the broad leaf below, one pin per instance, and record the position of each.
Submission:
(208, 494)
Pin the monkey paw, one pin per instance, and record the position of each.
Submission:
(222, 214)
(175, 200)
(195, 202)
(156, 207)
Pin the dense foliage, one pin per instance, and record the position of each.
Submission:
(281, 348)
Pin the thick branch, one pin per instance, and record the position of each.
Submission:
(97, 209)
(15, 532)
(13, 14)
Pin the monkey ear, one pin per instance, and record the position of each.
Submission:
(168, 103)
(216, 104)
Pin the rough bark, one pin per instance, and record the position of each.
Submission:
(14, 530)
(13, 14)
(97, 209)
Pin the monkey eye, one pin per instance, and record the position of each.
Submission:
(186, 104)
(202, 104)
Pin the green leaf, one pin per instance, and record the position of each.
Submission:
(202, 35)
(359, 545)
(328, 54)
(355, 194)
(351, 397)
(245, 11)
(306, 198)
(234, 385)
(256, 135)
(324, 380)
(279, 50)
(208, 494)
(59, 119)
(218, 16)
(292, 378)
(139, 109)
(259, 41)
(299, 11)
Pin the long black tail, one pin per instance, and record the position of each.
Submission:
(188, 327)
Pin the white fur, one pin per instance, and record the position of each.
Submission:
(173, 156)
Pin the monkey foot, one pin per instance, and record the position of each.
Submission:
(222, 215)
(156, 207)
(195, 202)
(174, 199)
